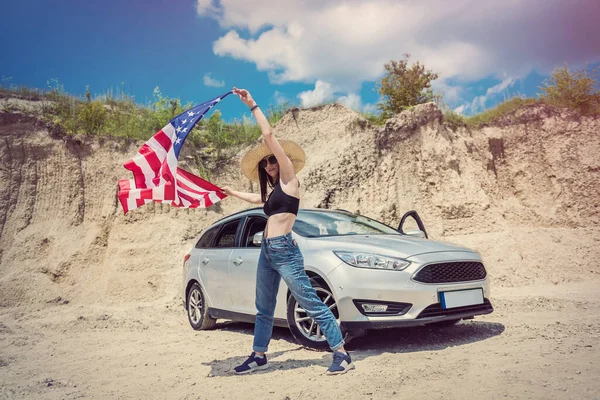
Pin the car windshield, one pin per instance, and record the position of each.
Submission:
(333, 223)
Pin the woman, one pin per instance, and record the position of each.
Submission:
(275, 164)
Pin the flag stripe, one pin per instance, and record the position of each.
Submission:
(163, 137)
(147, 166)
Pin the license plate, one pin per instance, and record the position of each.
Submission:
(460, 298)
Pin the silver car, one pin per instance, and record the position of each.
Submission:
(370, 275)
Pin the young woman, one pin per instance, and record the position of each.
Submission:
(275, 163)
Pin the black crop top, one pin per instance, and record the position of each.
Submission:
(281, 202)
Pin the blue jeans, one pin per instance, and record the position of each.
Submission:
(280, 257)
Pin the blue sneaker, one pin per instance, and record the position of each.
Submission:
(341, 364)
(253, 363)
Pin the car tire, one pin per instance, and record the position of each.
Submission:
(306, 332)
(197, 309)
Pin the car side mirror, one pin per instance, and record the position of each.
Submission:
(257, 239)
(416, 233)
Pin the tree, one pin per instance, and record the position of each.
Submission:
(404, 86)
(578, 90)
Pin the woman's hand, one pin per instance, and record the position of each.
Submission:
(245, 97)
(227, 190)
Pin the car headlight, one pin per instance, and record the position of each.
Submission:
(370, 260)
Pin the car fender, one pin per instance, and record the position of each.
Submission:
(193, 274)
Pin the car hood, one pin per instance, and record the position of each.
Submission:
(392, 245)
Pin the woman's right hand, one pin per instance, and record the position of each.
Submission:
(227, 190)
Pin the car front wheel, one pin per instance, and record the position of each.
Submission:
(197, 309)
(304, 329)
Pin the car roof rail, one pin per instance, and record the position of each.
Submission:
(341, 209)
(234, 214)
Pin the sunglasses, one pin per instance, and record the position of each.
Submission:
(263, 163)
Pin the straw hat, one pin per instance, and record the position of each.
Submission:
(251, 159)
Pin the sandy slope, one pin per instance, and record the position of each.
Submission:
(89, 298)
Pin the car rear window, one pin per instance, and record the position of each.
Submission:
(207, 238)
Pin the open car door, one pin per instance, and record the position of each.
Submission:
(414, 215)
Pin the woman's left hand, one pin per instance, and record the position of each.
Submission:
(245, 97)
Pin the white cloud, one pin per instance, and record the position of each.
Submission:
(207, 7)
(279, 98)
(370, 108)
(460, 109)
(326, 92)
(451, 93)
(499, 88)
(352, 101)
(480, 103)
(346, 42)
(477, 104)
(322, 92)
(209, 81)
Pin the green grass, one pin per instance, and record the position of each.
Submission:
(502, 109)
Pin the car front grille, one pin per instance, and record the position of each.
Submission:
(436, 310)
(451, 272)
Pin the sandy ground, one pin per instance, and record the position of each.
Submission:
(541, 342)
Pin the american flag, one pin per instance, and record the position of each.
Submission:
(156, 176)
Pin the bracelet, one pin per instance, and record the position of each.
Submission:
(254, 108)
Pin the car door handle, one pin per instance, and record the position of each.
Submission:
(205, 261)
(238, 261)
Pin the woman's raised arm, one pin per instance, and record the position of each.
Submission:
(253, 198)
(286, 168)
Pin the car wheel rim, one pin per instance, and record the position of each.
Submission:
(307, 325)
(195, 306)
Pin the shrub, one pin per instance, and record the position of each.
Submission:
(91, 116)
(454, 120)
(375, 119)
(578, 90)
(404, 86)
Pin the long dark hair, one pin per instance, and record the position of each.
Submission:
(264, 179)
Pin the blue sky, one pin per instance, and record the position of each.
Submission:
(304, 51)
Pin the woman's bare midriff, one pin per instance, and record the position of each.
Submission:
(279, 224)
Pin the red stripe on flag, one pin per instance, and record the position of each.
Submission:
(138, 175)
(198, 181)
(146, 194)
(152, 159)
(124, 194)
(169, 190)
(164, 140)
(190, 189)
(189, 198)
